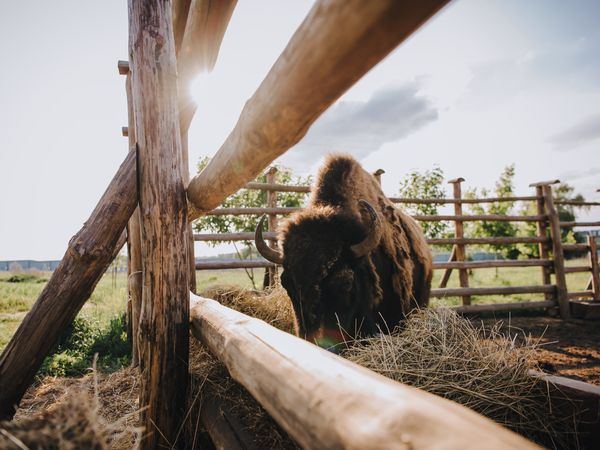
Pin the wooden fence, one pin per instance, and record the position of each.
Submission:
(322, 400)
(548, 239)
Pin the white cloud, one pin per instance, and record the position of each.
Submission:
(361, 127)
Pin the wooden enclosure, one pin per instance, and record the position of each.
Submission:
(338, 42)
(551, 248)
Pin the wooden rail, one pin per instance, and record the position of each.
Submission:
(313, 71)
(500, 290)
(283, 372)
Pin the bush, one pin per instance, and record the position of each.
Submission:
(25, 278)
(75, 351)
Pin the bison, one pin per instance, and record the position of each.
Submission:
(353, 264)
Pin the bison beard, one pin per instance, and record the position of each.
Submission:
(353, 264)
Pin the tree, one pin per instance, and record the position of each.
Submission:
(250, 198)
(504, 188)
(566, 213)
(426, 185)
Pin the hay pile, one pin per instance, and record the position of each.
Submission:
(69, 414)
(437, 351)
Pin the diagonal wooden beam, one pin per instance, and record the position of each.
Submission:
(89, 254)
(338, 42)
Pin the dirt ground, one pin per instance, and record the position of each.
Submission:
(565, 348)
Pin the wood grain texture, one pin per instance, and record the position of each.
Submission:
(88, 255)
(337, 43)
(496, 290)
(512, 306)
(134, 247)
(324, 401)
(164, 319)
(557, 252)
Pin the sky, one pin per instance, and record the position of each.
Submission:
(484, 84)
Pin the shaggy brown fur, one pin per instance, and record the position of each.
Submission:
(398, 272)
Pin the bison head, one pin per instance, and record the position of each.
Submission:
(332, 285)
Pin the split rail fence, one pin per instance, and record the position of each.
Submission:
(551, 258)
(321, 400)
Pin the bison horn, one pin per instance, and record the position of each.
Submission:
(263, 248)
(373, 225)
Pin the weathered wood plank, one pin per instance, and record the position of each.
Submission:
(89, 254)
(557, 252)
(338, 42)
(459, 249)
(134, 246)
(513, 306)
(234, 264)
(163, 209)
(496, 290)
(594, 266)
(302, 386)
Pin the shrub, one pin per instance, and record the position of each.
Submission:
(75, 351)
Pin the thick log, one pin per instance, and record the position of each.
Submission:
(180, 11)
(134, 246)
(442, 201)
(557, 252)
(164, 317)
(513, 306)
(89, 254)
(493, 263)
(338, 42)
(594, 266)
(242, 236)
(497, 290)
(303, 386)
(234, 264)
(488, 241)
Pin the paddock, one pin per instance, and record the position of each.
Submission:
(150, 196)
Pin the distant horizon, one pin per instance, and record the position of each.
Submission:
(480, 86)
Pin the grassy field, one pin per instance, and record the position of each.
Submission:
(109, 298)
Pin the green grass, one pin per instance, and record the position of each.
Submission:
(101, 315)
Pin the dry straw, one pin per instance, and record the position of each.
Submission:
(436, 350)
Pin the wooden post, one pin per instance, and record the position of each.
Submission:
(557, 252)
(164, 320)
(337, 43)
(271, 272)
(300, 385)
(594, 266)
(89, 254)
(191, 256)
(134, 243)
(463, 274)
(542, 232)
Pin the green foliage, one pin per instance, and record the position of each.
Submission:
(504, 188)
(74, 353)
(26, 278)
(426, 185)
(250, 198)
(566, 213)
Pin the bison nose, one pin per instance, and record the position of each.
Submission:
(328, 339)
